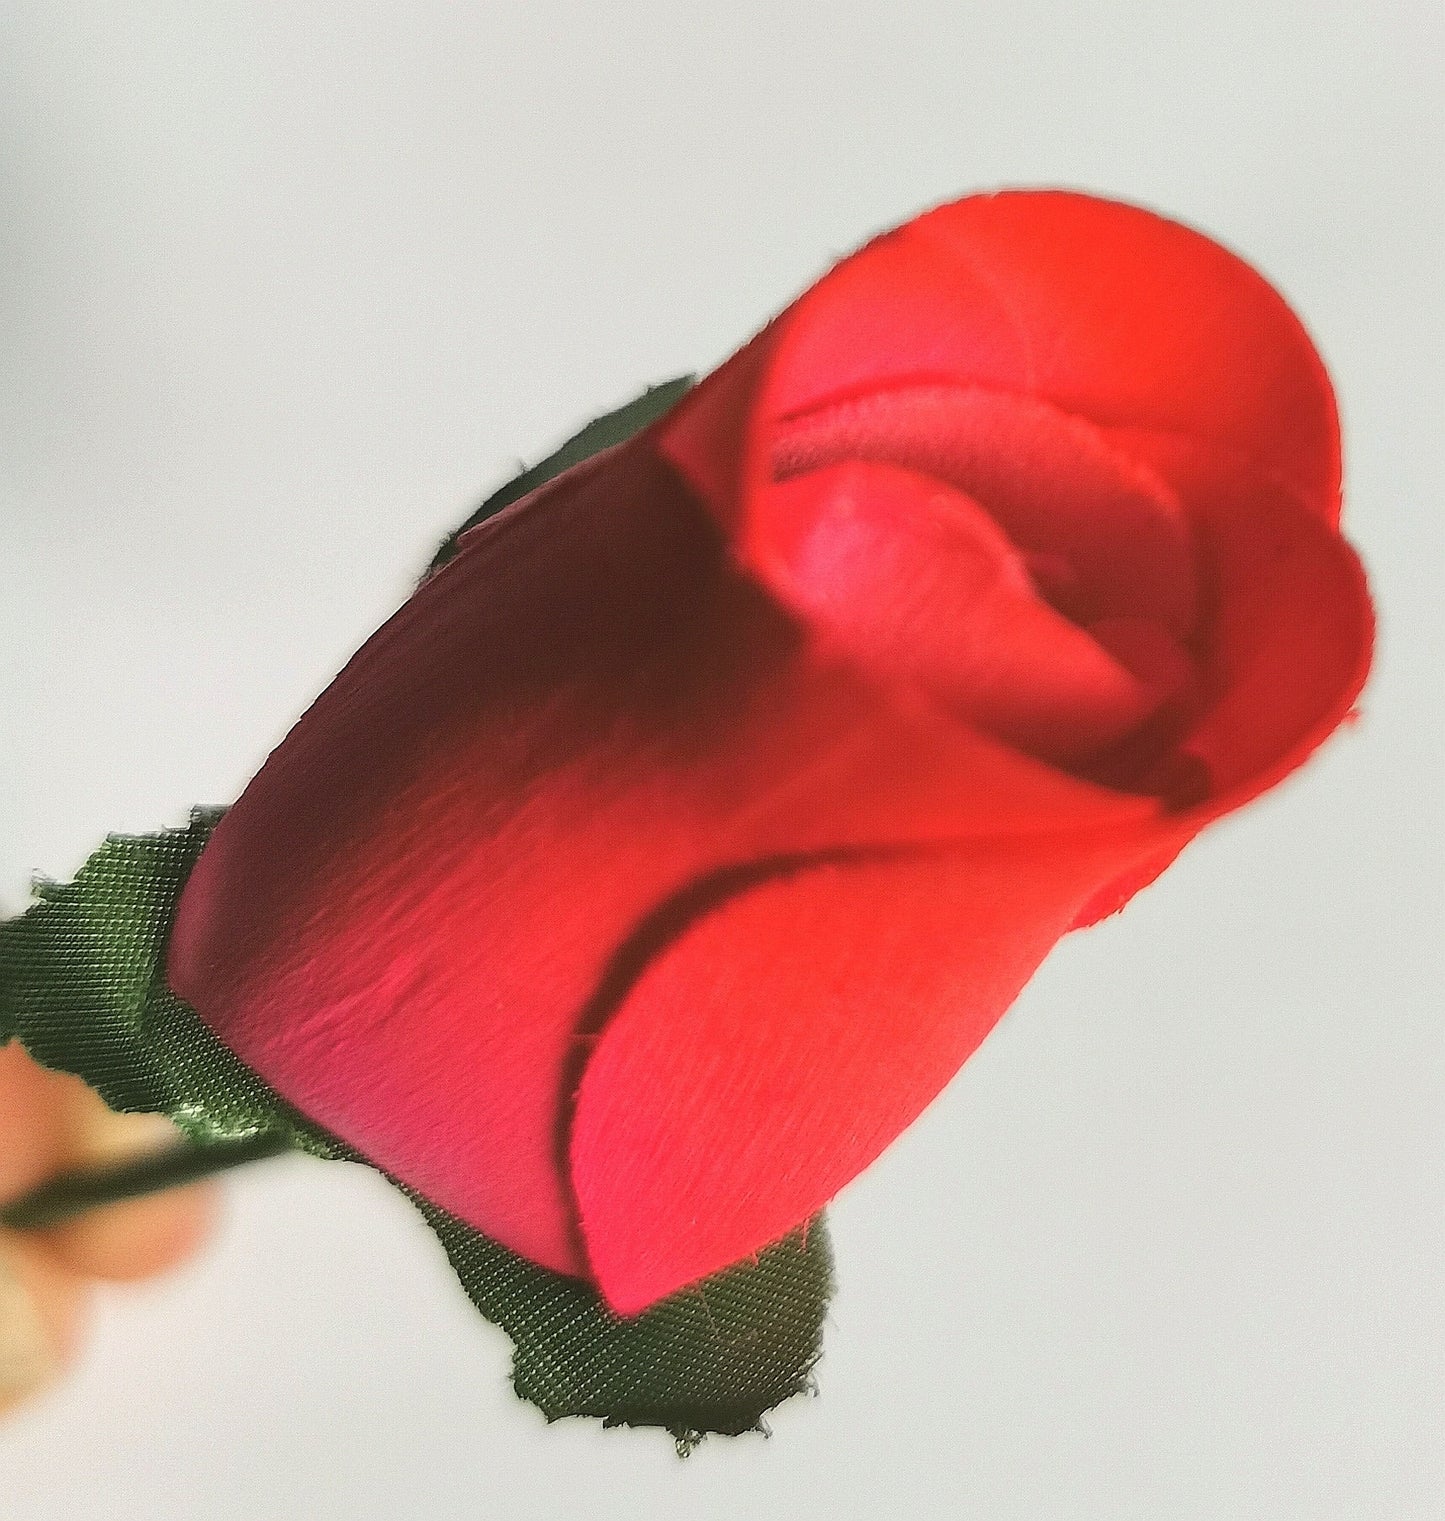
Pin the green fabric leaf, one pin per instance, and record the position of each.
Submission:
(711, 1358)
(82, 986)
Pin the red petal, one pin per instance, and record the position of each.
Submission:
(416, 917)
(1291, 644)
(1105, 310)
(771, 1052)
(1292, 627)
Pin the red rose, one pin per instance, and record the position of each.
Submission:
(672, 847)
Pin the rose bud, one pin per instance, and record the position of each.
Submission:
(671, 848)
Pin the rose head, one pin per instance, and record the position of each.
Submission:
(673, 846)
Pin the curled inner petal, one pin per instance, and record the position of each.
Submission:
(996, 550)
(1104, 536)
(915, 577)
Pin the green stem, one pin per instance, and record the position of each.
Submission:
(74, 1193)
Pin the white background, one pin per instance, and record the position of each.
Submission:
(284, 288)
